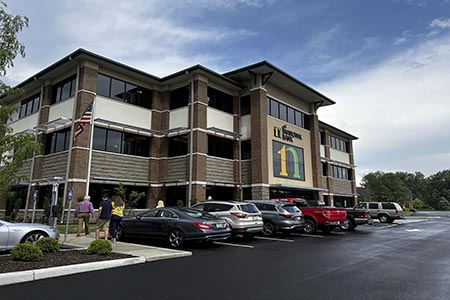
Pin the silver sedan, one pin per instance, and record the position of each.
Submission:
(12, 234)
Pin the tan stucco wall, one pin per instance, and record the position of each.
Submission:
(289, 99)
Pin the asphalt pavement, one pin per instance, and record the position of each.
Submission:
(141, 254)
(405, 260)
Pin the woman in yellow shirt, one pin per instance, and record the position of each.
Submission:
(118, 205)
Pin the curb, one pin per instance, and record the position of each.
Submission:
(31, 275)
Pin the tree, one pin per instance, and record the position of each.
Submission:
(438, 187)
(14, 149)
(386, 187)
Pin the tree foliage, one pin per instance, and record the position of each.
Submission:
(14, 148)
(432, 191)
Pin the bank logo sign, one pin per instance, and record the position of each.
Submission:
(285, 134)
(288, 161)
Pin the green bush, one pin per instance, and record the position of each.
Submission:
(27, 252)
(48, 245)
(100, 247)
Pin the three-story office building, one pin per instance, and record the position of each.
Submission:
(252, 133)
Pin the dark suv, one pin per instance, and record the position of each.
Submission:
(279, 216)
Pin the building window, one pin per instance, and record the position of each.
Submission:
(220, 100)
(245, 105)
(29, 106)
(178, 145)
(246, 149)
(322, 138)
(341, 173)
(179, 97)
(286, 113)
(324, 169)
(58, 141)
(338, 144)
(219, 192)
(220, 147)
(123, 91)
(121, 142)
(64, 89)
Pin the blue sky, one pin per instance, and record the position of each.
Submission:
(386, 63)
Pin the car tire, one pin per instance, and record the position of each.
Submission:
(310, 226)
(176, 238)
(33, 237)
(383, 218)
(349, 226)
(269, 229)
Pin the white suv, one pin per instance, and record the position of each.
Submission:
(243, 218)
(386, 212)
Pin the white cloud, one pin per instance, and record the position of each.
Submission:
(399, 110)
(440, 23)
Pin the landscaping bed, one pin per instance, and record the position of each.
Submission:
(61, 258)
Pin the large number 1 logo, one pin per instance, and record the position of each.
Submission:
(283, 161)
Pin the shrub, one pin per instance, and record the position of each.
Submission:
(48, 245)
(99, 247)
(27, 252)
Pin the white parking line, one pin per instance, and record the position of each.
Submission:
(273, 239)
(389, 226)
(307, 235)
(337, 232)
(234, 245)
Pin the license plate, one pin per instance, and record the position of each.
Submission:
(220, 225)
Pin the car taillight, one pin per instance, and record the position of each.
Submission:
(239, 215)
(287, 216)
(366, 214)
(327, 214)
(201, 225)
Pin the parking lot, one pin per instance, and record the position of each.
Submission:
(409, 259)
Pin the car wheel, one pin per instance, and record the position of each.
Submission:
(33, 237)
(310, 226)
(269, 229)
(176, 238)
(349, 226)
(383, 218)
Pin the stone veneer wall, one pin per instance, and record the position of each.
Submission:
(54, 165)
(177, 169)
(324, 182)
(25, 170)
(122, 167)
(246, 168)
(340, 186)
(219, 170)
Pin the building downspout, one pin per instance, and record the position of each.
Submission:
(30, 185)
(69, 157)
(191, 141)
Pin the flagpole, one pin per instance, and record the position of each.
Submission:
(91, 140)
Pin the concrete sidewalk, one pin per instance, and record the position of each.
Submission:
(141, 254)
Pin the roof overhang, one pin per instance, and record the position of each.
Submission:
(281, 79)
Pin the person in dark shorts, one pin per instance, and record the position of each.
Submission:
(104, 216)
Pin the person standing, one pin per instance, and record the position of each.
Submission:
(104, 216)
(116, 216)
(83, 211)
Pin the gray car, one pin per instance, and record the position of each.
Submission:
(12, 234)
(243, 218)
(279, 216)
(386, 212)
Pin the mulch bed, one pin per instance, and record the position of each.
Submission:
(61, 258)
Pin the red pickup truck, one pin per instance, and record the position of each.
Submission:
(318, 216)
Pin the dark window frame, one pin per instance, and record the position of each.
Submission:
(220, 100)
(29, 106)
(53, 140)
(141, 146)
(58, 89)
(178, 145)
(180, 97)
(284, 112)
(142, 97)
(220, 147)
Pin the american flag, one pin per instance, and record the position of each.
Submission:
(85, 119)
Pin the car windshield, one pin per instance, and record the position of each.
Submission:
(249, 208)
(291, 208)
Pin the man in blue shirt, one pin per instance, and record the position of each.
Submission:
(104, 215)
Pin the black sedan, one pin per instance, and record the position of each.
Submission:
(175, 225)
